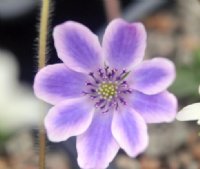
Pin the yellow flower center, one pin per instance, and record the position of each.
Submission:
(107, 90)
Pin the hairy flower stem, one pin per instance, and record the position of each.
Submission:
(43, 30)
(44, 18)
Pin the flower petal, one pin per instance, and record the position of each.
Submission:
(124, 43)
(153, 76)
(157, 108)
(130, 131)
(97, 147)
(55, 83)
(69, 118)
(199, 89)
(77, 46)
(189, 113)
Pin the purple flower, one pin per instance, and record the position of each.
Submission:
(105, 95)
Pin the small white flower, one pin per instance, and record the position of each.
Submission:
(18, 106)
(190, 112)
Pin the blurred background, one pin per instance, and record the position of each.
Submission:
(173, 31)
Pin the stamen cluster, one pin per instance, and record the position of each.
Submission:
(107, 88)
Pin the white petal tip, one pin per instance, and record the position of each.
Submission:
(189, 113)
(199, 89)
